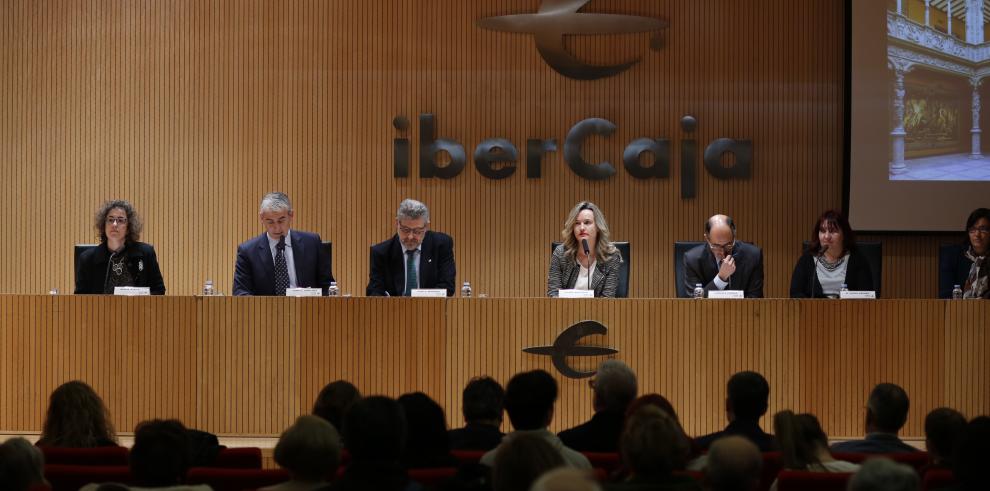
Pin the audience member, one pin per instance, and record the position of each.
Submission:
(310, 451)
(614, 388)
(566, 479)
(426, 441)
(943, 426)
(804, 446)
(652, 447)
(482, 408)
(77, 418)
(883, 474)
(747, 401)
(886, 413)
(694, 457)
(523, 458)
(969, 461)
(21, 465)
(334, 400)
(375, 432)
(529, 400)
(734, 464)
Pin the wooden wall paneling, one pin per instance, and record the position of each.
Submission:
(967, 362)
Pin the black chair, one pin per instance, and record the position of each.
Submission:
(622, 291)
(327, 247)
(79, 249)
(873, 252)
(681, 248)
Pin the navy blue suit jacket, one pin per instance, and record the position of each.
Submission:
(254, 272)
(436, 266)
(700, 267)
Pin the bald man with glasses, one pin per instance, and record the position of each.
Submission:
(724, 263)
(415, 257)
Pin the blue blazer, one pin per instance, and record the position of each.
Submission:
(436, 266)
(254, 272)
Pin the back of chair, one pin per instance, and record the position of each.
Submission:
(681, 248)
(235, 479)
(916, 460)
(873, 252)
(72, 477)
(938, 479)
(431, 477)
(106, 456)
(789, 480)
(77, 252)
(327, 247)
(238, 458)
(622, 291)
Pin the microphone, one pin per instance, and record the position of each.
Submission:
(106, 277)
(584, 244)
(811, 277)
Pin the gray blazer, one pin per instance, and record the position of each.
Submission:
(564, 273)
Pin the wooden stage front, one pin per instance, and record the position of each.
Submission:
(249, 366)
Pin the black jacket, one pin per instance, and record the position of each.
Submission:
(141, 261)
(805, 284)
(700, 267)
(436, 266)
(600, 434)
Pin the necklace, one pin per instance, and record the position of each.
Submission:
(117, 266)
(830, 266)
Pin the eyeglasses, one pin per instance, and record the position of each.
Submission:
(979, 230)
(725, 248)
(412, 231)
(116, 221)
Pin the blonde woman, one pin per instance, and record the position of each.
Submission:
(586, 259)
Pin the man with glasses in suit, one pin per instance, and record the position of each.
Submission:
(724, 263)
(415, 257)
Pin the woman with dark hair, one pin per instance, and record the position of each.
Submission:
(120, 259)
(831, 261)
(77, 418)
(572, 268)
(334, 400)
(966, 265)
(804, 446)
(652, 447)
(427, 444)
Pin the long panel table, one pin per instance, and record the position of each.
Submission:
(249, 366)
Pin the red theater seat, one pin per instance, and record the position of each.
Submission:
(606, 460)
(238, 458)
(72, 477)
(235, 479)
(913, 459)
(432, 477)
(85, 456)
(467, 456)
(812, 481)
(772, 464)
(937, 479)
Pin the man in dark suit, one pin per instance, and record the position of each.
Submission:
(615, 388)
(886, 413)
(415, 257)
(723, 263)
(280, 258)
(747, 400)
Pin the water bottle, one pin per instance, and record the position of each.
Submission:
(699, 291)
(334, 290)
(844, 289)
(54, 291)
(208, 289)
(466, 290)
(956, 292)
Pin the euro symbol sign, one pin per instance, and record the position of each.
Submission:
(566, 345)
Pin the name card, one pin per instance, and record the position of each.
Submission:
(132, 291)
(575, 293)
(304, 292)
(731, 294)
(857, 294)
(428, 292)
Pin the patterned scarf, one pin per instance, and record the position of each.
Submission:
(977, 282)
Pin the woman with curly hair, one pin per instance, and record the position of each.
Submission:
(77, 418)
(120, 259)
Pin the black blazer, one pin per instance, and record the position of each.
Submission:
(805, 284)
(91, 275)
(953, 269)
(700, 267)
(254, 272)
(436, 266)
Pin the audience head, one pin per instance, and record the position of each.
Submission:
(734, 464)
(661, 402)
(614, 385)
(800, 437)
(76, 418)
(375, 429)
(566, 479)
(883, 474)
(334, 400)
(652, 444)
(943, 426)
(748, 396)
(969, 462)
(426, 427)
(835, 223)
(309, 449)
(521, 459)
(160, 455)
(976, 238)
(529, 399)
(21, 465)
(483, 401)
(887, 408)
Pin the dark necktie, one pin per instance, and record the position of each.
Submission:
(411, 280)
(281, 269)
